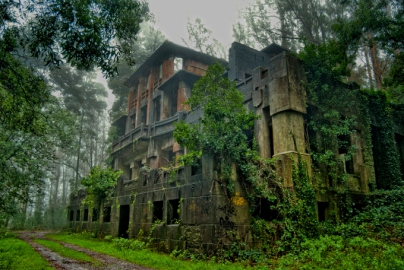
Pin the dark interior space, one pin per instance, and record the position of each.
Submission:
(85, 216)
(322, 211)
(124, 216)
(158, 211)
(172, 211)
(157, 109)
(78, 215)
(95, 214)
(376, 150)
(265, 210)
(107, 214)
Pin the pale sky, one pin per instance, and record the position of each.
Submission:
(217, 15)
(172, 16)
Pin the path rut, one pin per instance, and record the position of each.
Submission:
(59, 262)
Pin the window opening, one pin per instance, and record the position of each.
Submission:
(178, 63)
(157, 109)
(124, 215)
(144, 115)
(265, 210)
(85, 217)
(173, 216)
(78, 215)
(322, 211)
(107, 214)
(158, 210)
(71, 216)
(95, 214)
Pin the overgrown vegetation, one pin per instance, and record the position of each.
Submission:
(99, 185)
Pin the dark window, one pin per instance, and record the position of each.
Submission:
(71, 216)
(174, 102)
(107, 214)
(78, 215)
(322, 211)
(95, 214)
(158, 210)
(265, 210)
(124, 217)
(196, 167)
(157, 109)
(144, 115)
(172, 211)
(268, 119)
(85, 217)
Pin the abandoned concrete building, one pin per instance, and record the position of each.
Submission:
(194, 209)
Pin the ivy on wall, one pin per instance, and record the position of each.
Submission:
(386, 156)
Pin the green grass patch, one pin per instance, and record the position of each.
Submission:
(17, 254)
(67, 252)
(144, 257)
(336, 252)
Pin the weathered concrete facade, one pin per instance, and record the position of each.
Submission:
(195, 210)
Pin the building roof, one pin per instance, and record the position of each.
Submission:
(274, 49)
(166, 49)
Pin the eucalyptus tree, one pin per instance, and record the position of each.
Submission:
(82, 34)
(201, 38)
(148, 40)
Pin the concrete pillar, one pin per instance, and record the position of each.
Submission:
(149, 86)
(287, 107)
(181, 97)
(139, 90)
(288, 132)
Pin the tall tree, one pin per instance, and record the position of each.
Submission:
(149, 39)
(201, 39)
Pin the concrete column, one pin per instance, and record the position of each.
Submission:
(182, 97)
(139, 90)
(288, 132)
(150, 96)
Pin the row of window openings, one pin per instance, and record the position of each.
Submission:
(178, 65)
(158, 211)
(106, 218)
(156, 111)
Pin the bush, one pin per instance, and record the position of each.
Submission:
(126, 244)
(335, 252)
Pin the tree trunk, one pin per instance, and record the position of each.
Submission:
(56, 188)
(368, 68)
(375, 62)
(64, 187)
(76, 183)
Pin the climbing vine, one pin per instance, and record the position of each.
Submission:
(389, 177)
(99, 185)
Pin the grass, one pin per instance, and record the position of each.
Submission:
(144, 257)
(67, 252)
(16, 254)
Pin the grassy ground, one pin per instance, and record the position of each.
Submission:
(144, 257)
(67, 252)
(16, 254)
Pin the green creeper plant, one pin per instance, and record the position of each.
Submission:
(99, 185)
(220, 132)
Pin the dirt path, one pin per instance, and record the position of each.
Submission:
(59, 262)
